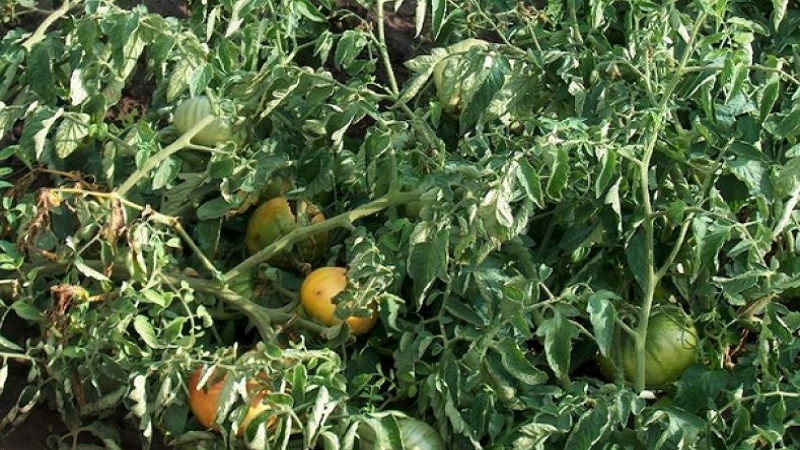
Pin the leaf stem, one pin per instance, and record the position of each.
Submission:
(154, 161)
(676, 247)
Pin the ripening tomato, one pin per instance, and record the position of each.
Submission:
(191, 111)
(670, 348)
(278, 217)
(204, 401)
(316, 296)
(448, 88)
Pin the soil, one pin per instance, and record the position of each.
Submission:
(42, 427)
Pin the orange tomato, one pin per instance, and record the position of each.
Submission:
(316, 296)
(204, 401)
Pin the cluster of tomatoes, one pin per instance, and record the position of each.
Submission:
(269, 222)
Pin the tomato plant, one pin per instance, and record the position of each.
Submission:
(510, 188)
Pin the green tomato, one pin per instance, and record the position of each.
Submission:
(192, 110)
(418, 435)
(670, 348)
(414, 433)
(449, 89)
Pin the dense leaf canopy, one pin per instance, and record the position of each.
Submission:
(592, 162)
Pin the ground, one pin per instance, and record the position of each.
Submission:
(42, 426)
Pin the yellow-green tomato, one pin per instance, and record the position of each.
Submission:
(418, 435)
(414, 433)
(448, 88)
(277, 217)
(191, 111)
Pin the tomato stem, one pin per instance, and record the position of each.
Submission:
(41, 31)
(384, 49)
(156, 160)
(262, 317)
(652, 276)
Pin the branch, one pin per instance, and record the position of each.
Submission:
(156, 160)
(343, 220)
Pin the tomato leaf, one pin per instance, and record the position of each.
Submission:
(427, 258)
(559, 172)
(591, 427)
(146, 331)
(37, 127)
(307, 10)
(40, 69)
(491, 77)
(636, 256)
(558, 333)
(698, 388)
(602, 315)
(514, 361)
(166, 173)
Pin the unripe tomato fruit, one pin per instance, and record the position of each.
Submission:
(449, 89)
(316, 296)
(191, 111)
(670, 348)
(274, 219)
(204, 401)
(415, 434)
(418, 435)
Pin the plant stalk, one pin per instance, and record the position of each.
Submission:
(384, 49)
(652, 277)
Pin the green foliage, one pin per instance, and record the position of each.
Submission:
(609, 157)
